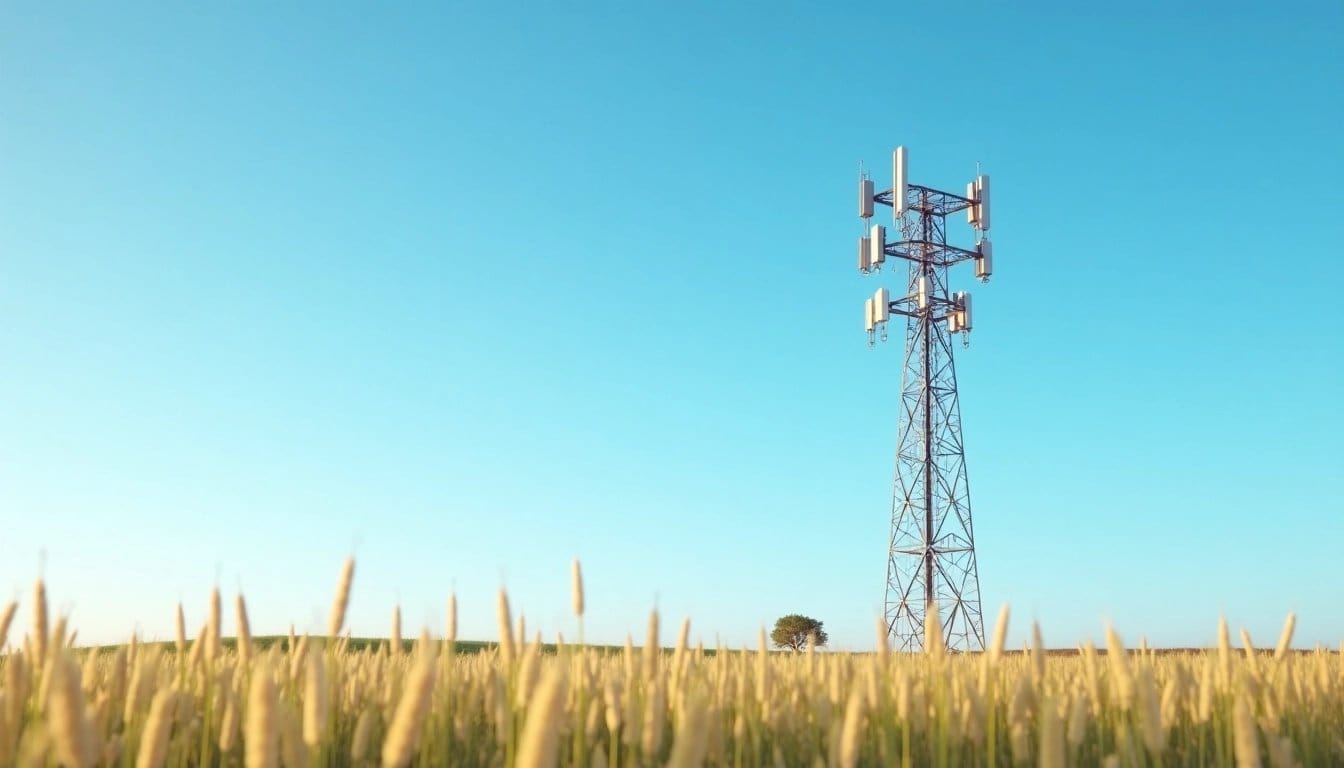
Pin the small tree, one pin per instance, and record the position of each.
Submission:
(791, 632)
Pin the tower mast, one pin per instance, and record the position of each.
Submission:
(931, 551)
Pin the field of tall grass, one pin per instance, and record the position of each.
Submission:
(317, 701)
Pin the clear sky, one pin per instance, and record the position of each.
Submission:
(469, 290)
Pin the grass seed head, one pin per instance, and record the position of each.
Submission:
(71, 732)
(180, 632)
(359, 744)
(39, 628)
(851, 732)
(450, 628)
(262, 732)
(1000, 632)
(1280, 651)
(341, 601)
(576, 589)
(933, 630)
(7, 618)
(1246, 737)
(154, 740)
(538, 747)
(215, 618)
(403, 735)
(244, 632)
(314, 699)
(1051, 737)
(506, 651)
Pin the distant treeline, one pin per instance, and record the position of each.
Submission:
(467, 647)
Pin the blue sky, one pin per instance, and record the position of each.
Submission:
(471, 291)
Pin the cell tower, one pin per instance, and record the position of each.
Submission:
(931, 557)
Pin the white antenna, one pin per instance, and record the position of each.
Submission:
(984, 259)
(877, 244)
(982, 202)
(899, 173)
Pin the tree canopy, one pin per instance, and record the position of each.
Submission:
(792, 631)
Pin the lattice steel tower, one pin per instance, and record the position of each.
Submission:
(931, 553)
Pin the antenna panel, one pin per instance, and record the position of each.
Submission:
(982, 196)
(864, 254)
(865, 198)
(868, 323)
(984, 263)
(881, 301)
(877, 245)
(898, 183)
(973, 210)
(924, 294)
(964, 304)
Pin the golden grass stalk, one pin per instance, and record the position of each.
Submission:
(57, 640)
(612, 700)
(1246, 738)
(1280, 651)
(450, 628)
(293, 752)
(1206, 688)
(655, 710)
(763, 680)
(1051, 736)
(1037, 654)
(71, 732)
(1249, 648)
(244, 631)
(262, 734)
(691, 743)
(228, 724)
(1078, 720)
(89, 675)
(576, 589)
(297, 657)
(39, 628)
(180, 634)
(933, 631)
(1000, 634)
(506, 652)
(1154, 737)
(851, 732)
(683, 640)
(314, 700)
(883, 642)
(154, 740)
(403, 736)
(338, 606)
(7, 618)
(539, 744)
(215, 618)
(651, 648)
(198, 648)
(359, 744)
(1118, 660)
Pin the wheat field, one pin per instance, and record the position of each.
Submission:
(317, 701)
